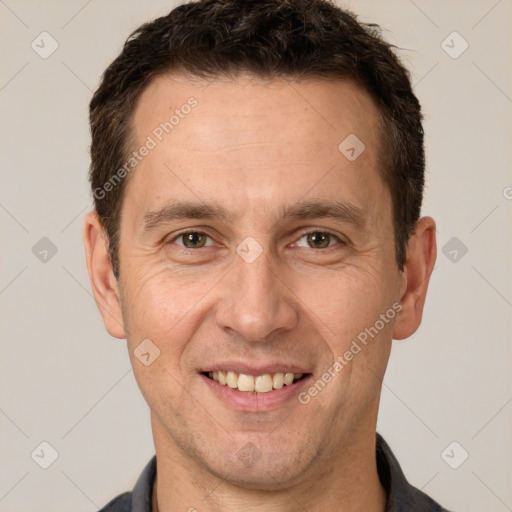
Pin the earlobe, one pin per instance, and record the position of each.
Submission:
(421, 257)
(103, 283)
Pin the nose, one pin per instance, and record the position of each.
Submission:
(256, 304)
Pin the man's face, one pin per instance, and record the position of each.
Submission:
(269, 284)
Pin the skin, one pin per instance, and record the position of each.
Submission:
(257, 147)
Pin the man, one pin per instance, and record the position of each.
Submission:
(257, 169)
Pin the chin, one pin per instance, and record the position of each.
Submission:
(250, 467)
(261, 476)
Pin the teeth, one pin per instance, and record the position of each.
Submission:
(263, 383)
(245, 382)
(260, 383)
(232, 379)
(278, 380)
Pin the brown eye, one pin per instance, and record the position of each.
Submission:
(193, 239)
(318, 239)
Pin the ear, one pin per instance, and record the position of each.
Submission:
(421, 257)
(103, 283)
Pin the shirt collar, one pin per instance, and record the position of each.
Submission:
(401, 496)
(143, 490)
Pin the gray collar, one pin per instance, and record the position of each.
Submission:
(401, 496)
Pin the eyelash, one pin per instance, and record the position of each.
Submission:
(332, 235)
(302, 235)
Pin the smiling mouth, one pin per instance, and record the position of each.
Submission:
(255, 383)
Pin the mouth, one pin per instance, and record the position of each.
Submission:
(255, 384)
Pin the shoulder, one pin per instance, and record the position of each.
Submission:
(414, 499)
(139, 500)
(401, 495)
(123, 503)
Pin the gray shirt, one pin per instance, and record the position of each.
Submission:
(401, 496)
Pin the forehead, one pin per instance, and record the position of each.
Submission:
(328, 108)
(273, 137)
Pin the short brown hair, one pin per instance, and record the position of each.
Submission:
(270, 39)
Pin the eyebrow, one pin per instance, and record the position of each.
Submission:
(184, 210)
(340, 211)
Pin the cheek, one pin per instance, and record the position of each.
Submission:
(347, 306)
(356, 318)
(161, 313)
(159, 307)
(343, 302)
(170, 308)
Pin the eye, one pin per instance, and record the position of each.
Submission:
(317, 240)
(193, 240)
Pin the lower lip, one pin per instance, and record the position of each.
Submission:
(252, 401)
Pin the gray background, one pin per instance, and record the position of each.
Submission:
(65, 381)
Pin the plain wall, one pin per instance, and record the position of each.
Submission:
(65, 381)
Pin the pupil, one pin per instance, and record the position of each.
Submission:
(194, 240)
(318, 240)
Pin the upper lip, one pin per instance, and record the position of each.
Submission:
(254, 368)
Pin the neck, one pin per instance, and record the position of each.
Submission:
(348, 481)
